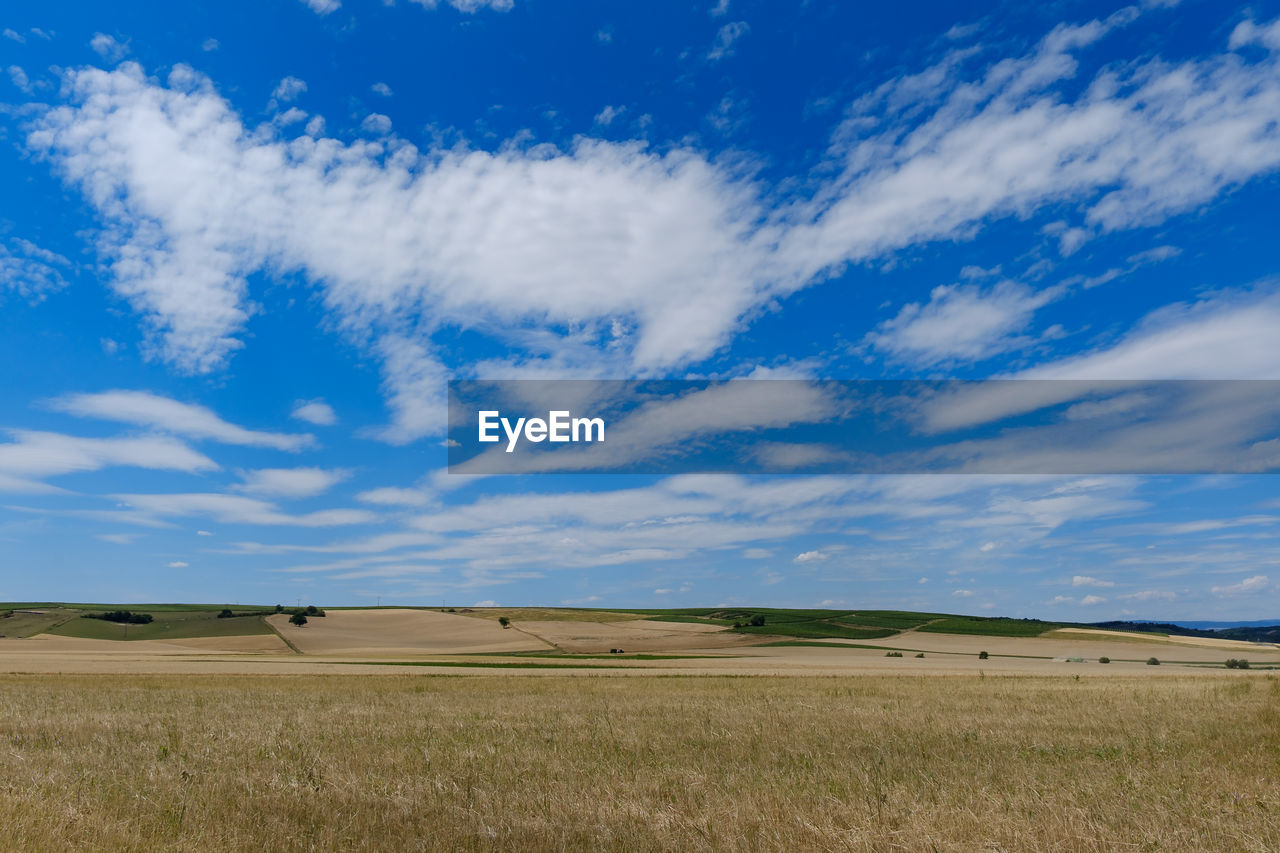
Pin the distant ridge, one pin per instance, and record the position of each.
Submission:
(1263, 631)
(1218, 626)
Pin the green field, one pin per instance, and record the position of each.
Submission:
(990, 627)
(168, 625)
(808, 624)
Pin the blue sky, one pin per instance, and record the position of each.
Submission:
(244, 246)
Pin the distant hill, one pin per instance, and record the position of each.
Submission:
(1265, 632)
(1218, 626)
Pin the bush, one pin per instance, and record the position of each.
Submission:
(1153, 661)
(504, 622)
(312, 610)
(893, 654)
(920, 655)
(757, 620)
(122, 617)
(983, 655)
(226, 613)
(1104, 659)
(1235, 663)
(298, 619)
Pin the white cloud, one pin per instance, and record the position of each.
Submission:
(108, 47)
(1086, 580)
(469, 6)
(237, 509)
(392, 496)
(377, 124)
(1225, 335)
(987, 547)
(962, 593)
(14, 36)
(757, 554)
(809, 557)
(177, 564)
(210, 45)
(30, 271)
(606, 116)
(381, 89)
(323, 7)
(32, 456)
(316, 412)
(414, 381)
(726, 39)
(20, 79)
(289, 89)
(720, 9)
(1062, 599)
(203, 533)
(1257, 583)
(1150, 595)
(682, 250)
(961, 323)
(292, 482)
(144, 409)
(118, 538)
(1090, 600)
(1249, 33)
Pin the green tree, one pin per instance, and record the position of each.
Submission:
(298, 619)
(504, 622)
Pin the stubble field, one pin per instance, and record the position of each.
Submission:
(414, 762)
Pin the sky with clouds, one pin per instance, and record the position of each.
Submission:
(244, 246)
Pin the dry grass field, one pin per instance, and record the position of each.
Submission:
(403, 762)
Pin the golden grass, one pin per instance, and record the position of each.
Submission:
(410, 762)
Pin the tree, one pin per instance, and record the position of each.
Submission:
(504, 622)
(1153, 661)
(226, 613)
(757, 620)
(279, 608)
(983, 655)
(298, 619)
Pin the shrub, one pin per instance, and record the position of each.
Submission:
(1235, 663)
(920, 655)
(893, 654)
(757, 620)
(504, 622)
(1104, 659)
(1153, 661)
(225, 613)
(983, 655)
(298, 619)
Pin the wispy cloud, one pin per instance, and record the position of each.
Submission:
(145, 409)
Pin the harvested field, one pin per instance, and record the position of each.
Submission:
(361, 632)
